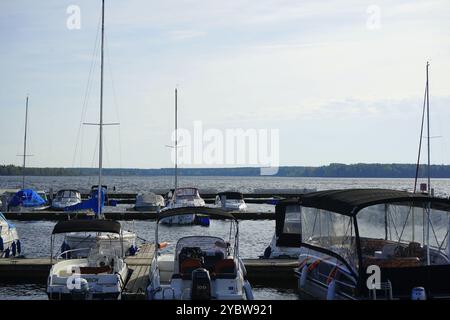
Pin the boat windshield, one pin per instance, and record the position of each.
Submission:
(331, 231)
(292, 222)
(403, 227)
(186, 192)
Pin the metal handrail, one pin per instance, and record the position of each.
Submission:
(71, 250)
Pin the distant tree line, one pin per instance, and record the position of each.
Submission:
(360, 170)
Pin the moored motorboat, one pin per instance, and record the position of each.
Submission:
(10, 245)
(202, 267)
(187, 197)
(66, 198)
(101, 275)
(373, 244)
(231, 201)
(28, 200)
(149, 202)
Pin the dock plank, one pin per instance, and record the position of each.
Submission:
(140, 265)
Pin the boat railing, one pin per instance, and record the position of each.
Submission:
(386, 286)
(71, 250)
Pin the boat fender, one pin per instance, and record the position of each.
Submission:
(19, 247)
(418, 293)
(248, 290)
(332, 274)
(303, 276)
(132, 250)
(313, 265)
(7, 253)
(331, 291)
(2, 246)
(13, 248)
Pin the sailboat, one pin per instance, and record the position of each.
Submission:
(348, 236)
(183, 197)
(27, 199)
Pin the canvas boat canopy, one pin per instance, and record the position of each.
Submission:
(288, 224)
(87, 226)
(234, 195)
(27, 198)
(349, 202)
(196, 210)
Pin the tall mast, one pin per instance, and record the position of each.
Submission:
(429, 166)
(25, 145)
(176, 139)
(428, 132)
(100, 151)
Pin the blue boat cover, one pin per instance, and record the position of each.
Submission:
(91, 203)
(26, 198)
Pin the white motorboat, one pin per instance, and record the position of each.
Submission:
(10, 245)
(231, 201)
(101, 275)
(183, 198)
(66, 198)
(202, 267)
(149, 202)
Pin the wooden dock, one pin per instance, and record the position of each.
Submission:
(259, 271)
(119, 215)
(137, 283)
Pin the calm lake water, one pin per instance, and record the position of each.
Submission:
(254, 235)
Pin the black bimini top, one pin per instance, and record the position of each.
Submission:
(213, 212)
(87, 226)
(231, 195)
(350, 201)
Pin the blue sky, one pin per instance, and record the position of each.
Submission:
(338, 90)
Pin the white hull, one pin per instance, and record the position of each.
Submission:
(9, 242)
(63, 284)
(277, 252)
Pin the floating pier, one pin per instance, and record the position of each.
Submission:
(119, 215)
(259, 271)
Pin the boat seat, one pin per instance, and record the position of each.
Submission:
(189, 265)
(95, 270)
(225, 266)
(211, 259)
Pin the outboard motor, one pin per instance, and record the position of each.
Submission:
(201, 285)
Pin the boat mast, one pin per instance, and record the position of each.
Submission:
(100, 152)
(25, 145)
(176, 139)
(429, 166)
